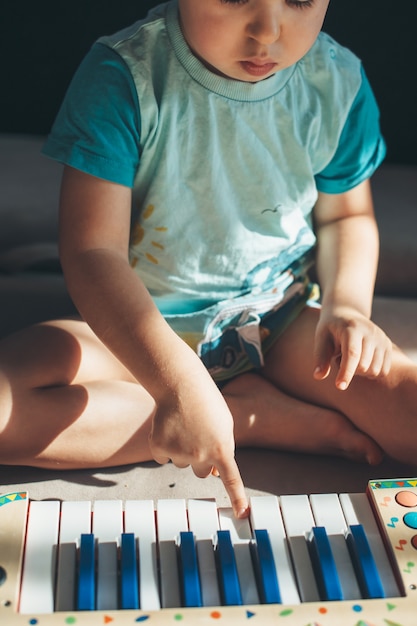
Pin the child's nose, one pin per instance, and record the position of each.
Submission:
(265, 25)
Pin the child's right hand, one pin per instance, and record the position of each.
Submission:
(195, 427)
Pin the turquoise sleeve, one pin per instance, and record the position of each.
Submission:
(97, 129)
(361, 146)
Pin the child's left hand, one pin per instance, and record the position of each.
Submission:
(355, 343)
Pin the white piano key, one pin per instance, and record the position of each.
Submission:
(140, 520)
(298, 521)
(37, 589)
(297, 515)
(171, 520)
(357, 510)
(240, 530)
(203, 518)
(241, 536)
(203, 521)
(108, 520)
(352, 505)
(265, 514)
(75, 521)
(107, 529)
(328, 512)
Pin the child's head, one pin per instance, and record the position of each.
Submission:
(250, 40)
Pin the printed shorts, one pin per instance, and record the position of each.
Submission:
(232, 336)
(237, 343)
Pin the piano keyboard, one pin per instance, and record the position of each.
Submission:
(326, 559)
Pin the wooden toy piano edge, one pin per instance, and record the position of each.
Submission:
(13, 515)
(397, 536)
(394, 612)
(376, 612)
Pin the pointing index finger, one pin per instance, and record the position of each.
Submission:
(351, 353)
(230, 476)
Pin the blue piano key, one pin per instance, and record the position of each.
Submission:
(188, 566)
(324, 565)
(364, 563)
(129, 580)
(265, 568)
(86, 585)
(227, 570)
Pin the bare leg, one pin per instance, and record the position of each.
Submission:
(266, 417)
(66, 402)
(384, 409)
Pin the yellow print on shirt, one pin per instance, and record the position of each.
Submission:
(140, 234)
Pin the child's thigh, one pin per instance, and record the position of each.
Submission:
(290, 359)
(58, 352)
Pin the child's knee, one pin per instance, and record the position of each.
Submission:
(40, 356)
(12, 443)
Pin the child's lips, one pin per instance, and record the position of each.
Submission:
(256, 67)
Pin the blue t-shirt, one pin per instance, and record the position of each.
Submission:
(224, 174)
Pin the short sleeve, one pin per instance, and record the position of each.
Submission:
(97, 129)
(361, 146)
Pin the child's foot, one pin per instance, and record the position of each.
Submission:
(266, 417)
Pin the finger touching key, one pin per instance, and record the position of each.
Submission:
(230, 476)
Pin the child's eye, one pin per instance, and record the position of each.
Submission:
(300, 4)
(234, 1)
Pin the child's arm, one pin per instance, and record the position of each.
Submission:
(347, 257)
(192, 424)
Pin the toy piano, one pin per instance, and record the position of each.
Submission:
(318, 560)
